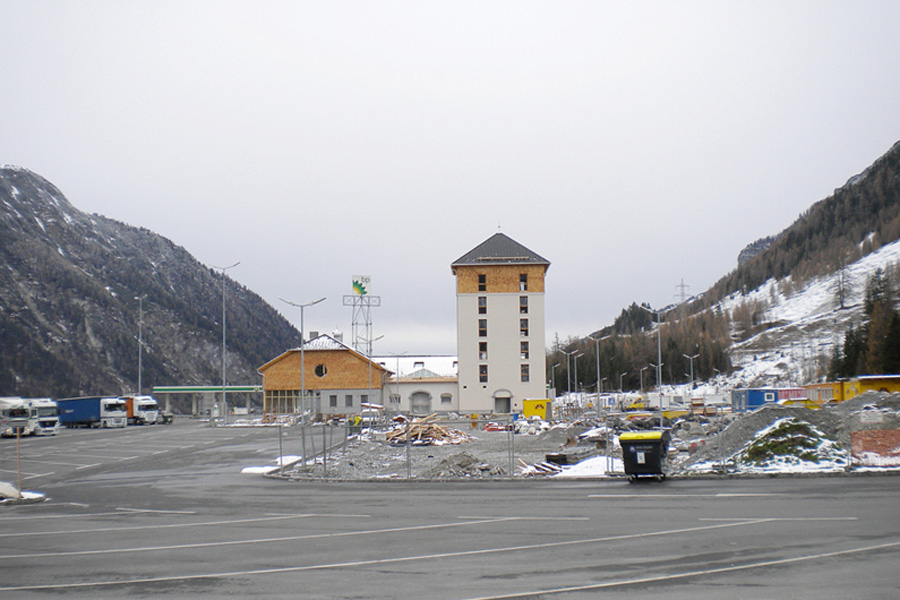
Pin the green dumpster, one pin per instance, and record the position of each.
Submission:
(645, 454)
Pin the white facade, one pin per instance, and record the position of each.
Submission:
(508, 351)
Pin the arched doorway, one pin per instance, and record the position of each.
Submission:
(503, 401)
(420, 403)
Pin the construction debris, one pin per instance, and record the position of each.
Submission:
(425, 431)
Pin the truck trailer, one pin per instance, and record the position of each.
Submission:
(141, 410)
(92, 411)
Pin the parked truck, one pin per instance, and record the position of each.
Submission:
(92, 411)
(13, 417)
(43, 418)
(141, 410)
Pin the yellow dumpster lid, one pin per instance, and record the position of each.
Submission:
(634, 436)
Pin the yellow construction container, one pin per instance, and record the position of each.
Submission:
(542, 409)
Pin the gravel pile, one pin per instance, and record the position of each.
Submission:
(836, 422)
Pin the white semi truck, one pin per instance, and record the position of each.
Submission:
(43, 416)
(13, 416)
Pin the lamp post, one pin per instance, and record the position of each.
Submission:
(569, 370)
(302, 372)
(302, 357)
(553, 377)
(371, 341)
(224, 408)
(658, 358)
(140, 300)
(597, 353)
(642, 381)
(691, 358)
(575, 360)
(621, 375)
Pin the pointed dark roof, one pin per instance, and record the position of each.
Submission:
(500, 249)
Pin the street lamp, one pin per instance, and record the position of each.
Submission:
(597, 353)
(371, 341)
(575, 360)
(140, 300)
(224, 408)
(302, 357)
(569, 370)
(553, 377)
(302, 373)
(691, 358)
(658, 357)
(621, 375)
(642, 381)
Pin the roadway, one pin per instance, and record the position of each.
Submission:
(157, 510)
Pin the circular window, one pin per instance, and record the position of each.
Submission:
(321, 370)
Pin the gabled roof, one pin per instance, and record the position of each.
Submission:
(500, 249)
(324, 342)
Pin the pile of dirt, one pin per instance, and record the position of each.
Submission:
(835, 422)
(463, 465)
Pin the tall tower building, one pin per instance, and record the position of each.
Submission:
(500, 325)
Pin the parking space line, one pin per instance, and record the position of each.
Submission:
(763, 564)
(420, 557)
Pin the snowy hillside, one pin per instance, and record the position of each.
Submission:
(804, 324)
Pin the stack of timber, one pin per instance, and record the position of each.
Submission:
(425, 432)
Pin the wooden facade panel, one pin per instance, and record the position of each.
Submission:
(500, 278)
(343, 370)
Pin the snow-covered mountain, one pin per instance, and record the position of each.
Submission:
(805, 323)
(70, 317)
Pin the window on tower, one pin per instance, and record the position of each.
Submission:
(523, 282)
(526, 375)
(482, 350)
(482, 305)
(523, 327)
(523, 305)
(482, 283)
(482, 327)
(524, 350)
(482, 373)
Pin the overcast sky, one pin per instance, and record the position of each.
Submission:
(632, 144)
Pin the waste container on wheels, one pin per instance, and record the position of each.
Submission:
(645, 454)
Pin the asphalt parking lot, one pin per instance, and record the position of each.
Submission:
(160, 510)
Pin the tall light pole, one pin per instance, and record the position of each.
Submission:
(140, 300)
(575, 360)
(621, 375)
(369, 357)
(659, 362)
(553, 377)
(569, 370)
(642, 381)
(302, 357)
(597, 352)
(691, 358)
(224, 408)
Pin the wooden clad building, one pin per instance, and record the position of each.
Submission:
(337, 380)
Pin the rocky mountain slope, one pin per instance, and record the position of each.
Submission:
(69, 314)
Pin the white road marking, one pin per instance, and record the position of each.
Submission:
(383, 561)
(149, 510)
(166, 526)
(689, 574)
(292, 538)
(677, 496)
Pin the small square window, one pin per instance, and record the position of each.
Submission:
(446, 399)
(332, 400)
(348, 400)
